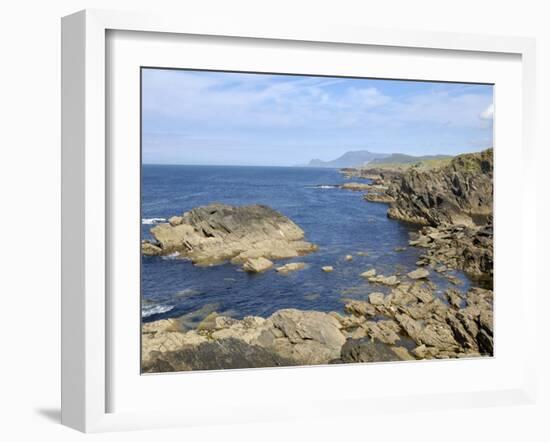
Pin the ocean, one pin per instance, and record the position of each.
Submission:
(339, 221)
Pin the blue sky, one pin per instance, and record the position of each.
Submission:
(198, 117)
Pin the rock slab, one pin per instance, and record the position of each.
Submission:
(217, 233)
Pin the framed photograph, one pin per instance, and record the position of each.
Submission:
(262, 219)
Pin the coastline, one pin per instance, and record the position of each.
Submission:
(408, 323)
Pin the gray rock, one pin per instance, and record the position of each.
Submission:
(327, 269)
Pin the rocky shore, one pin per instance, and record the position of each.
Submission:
(403, 319)
(469, 249)
(251, 236)
(454, 203)
(407, 324)
(460, 193)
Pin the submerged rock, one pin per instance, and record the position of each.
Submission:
(218, 233)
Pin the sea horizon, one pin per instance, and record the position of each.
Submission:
(241, 165)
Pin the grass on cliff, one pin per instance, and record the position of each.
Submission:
(423, 165)
(478, 162)
(470, 162)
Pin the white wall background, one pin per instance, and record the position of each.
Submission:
(30, 214)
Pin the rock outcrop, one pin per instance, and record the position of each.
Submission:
(460, 193)
(218, 233)
(439, 330)
(408, 323)
(288, 337)
(454, 203)
(469, 249)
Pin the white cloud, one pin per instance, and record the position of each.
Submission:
(205, 111)
(488, 113)
(273, 102)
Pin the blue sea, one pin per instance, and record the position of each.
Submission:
(339, 221)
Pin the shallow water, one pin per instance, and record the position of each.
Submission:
(339, 221)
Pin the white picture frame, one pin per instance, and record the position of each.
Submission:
(85, 216)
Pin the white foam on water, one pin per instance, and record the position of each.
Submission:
(323, 186)
(151, 310)
(171, 255)
(153, 220)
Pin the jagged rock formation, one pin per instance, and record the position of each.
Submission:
(466, 248)
(246, 235)
(459, 193)
(454, 202)
(373, 331)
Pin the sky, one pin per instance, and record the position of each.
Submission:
(223, 118)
